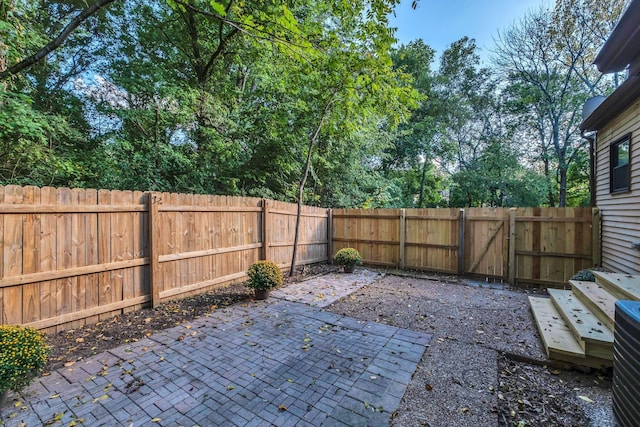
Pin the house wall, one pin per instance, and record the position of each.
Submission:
(620, 212)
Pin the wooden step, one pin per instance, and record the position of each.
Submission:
(556, 335)
(598, 299)
(594, 338)
(623, 286)
(557, 338)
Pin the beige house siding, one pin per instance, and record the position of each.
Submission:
(620, 212)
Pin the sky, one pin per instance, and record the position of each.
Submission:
(441, 22)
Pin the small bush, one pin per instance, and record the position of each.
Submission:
(587, 274)
(264, 275)
(347, 256)
(23, 354)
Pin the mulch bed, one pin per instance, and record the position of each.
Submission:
(70, 346)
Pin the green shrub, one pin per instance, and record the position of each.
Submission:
(587, 274)
(23, 354)
(264, 275)
(347, 256)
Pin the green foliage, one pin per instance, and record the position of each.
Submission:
(497, 179)
(23, 355)
(264, 275)
(347, 256)
(587, 275)
(218, 97)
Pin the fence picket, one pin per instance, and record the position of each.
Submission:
(88, 255)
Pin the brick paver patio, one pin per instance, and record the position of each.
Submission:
(274, 362)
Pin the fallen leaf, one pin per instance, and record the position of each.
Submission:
(428, 387)
(586, 399)
(156, 420)
(464, 410)
(282, 408)
(54, 396)
(18, 403)
(230, 387)
(80, 339)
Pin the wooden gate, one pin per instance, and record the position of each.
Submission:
(486, 244)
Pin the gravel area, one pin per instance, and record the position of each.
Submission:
(486, 365)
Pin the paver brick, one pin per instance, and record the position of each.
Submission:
(186, 382)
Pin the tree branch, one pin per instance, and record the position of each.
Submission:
(55, 43)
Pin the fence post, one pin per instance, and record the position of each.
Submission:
(512, 246)
(330, 235)
(154, 252)
(403, 237)
(461, 242)
(595, 238)
(265, 226)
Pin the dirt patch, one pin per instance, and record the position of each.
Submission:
(485, 365)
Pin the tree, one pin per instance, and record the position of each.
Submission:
(415, 146)
(24, 63)
(354, 84)
(530, 56)
(545, 58)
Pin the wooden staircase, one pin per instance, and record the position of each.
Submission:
(576, 325)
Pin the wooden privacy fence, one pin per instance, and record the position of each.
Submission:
(70, 256)
(542, 246)
(73, 256)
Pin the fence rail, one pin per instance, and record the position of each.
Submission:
(70, 257)
(541, 246)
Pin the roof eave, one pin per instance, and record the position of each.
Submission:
(622, 48)
(625, 95)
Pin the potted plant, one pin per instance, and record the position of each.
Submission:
(264, 276)
(348, 258)
(23, 354)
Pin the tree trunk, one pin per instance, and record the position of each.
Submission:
(547, 172)
(562, 197)
(302, 183)
(422, 182)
